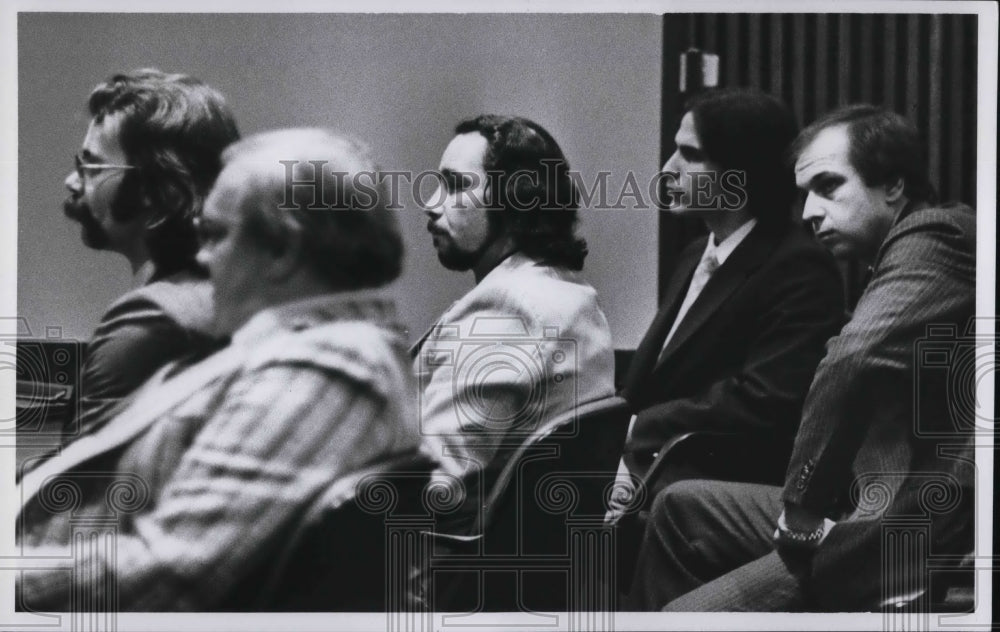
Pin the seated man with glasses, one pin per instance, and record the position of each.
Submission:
(149, 158)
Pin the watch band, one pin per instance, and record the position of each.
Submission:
(805, 538)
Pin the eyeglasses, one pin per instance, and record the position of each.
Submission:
(85, 168)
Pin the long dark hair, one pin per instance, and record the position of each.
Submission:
(173, 129)
(529, 183)
(750, 131)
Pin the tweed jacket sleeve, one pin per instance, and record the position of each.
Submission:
(275, 436)
(863, 391)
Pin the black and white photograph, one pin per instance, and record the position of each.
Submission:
(444, 317)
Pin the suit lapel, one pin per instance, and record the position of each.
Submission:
(415, 349)
(460, 304)
(743, 261)
(652, 343)
(157, 396)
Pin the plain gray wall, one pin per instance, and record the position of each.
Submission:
(399, 82)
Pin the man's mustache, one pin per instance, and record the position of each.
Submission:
(75, 208)
(93, 233)
(434, 230)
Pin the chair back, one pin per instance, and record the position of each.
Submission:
(352, 546)
(584, 445)
(560, 475)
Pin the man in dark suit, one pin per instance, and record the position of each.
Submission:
(883, 460)
(748, 308)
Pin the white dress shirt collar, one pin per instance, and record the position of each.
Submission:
(729, 244)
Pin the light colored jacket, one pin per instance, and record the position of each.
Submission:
(528, 343)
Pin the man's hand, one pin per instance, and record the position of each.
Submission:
(801, 529)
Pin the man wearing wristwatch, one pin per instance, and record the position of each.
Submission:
(882, 437)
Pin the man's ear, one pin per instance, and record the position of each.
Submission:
(286, 256)
(172, 198)
(894, 191)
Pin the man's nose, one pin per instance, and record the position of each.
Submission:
(671, 164)
(73, 183)
(434, 205)
(811, 209)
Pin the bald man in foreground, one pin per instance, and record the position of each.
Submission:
(207, 472)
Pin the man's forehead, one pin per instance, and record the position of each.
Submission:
(465, 153)
(102, 140)
(827, 151)
(225, 197)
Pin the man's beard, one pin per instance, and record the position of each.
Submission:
(458, 259)
(92, 233)
(454, 258)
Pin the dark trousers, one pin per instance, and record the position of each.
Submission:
(708, 547)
